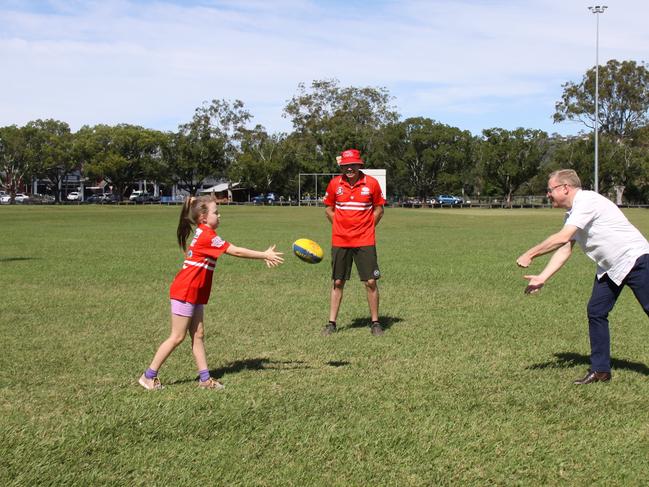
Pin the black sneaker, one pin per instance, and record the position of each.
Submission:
(330, 329)
(377, 329)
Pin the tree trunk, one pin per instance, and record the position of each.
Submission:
(619, 190)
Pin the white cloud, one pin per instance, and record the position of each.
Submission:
(473, 62)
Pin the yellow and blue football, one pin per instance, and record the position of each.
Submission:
(307, 250)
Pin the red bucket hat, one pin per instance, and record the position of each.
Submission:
(350, 156)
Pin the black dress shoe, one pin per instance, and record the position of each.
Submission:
(592, 376)
(377, 329)
(330, 329)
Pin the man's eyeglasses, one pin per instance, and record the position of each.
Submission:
(549, 190)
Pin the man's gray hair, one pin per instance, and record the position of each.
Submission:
(566, 176)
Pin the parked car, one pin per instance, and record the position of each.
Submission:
(268, 199)
(445, 199)
(138, 194)
(95, 198)
(73, 196)
(111, 198)
(411, 203)
(41, 199)
(5, 198)
(146, 198)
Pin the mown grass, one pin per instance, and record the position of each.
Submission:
(471, 383)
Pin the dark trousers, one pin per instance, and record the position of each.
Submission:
(602, 300)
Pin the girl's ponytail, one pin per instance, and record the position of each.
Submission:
(185, 222)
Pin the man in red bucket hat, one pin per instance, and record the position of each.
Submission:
(354, 207)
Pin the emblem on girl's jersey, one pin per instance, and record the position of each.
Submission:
(196, 235)
(190, 253)
(365, 191)
(339, 191)
(217, 242)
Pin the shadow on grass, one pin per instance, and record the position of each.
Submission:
(251, 364)
(386, 322)
(15, 259)
(565, 360)
(338, 363)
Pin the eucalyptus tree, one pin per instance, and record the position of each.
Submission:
(641, 137)
(328, 119)
(121, 154)
(424, 157)
(623, 98)
(624, 168)
(51, 148)
(624, 164)
(264, 162)
(15, 163)
(206, 146)
(637, 160)
(509, 159)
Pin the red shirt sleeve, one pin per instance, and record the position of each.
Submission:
(330, 196)
(377, 195)
(211, 246)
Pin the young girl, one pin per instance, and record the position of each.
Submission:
(190, 289)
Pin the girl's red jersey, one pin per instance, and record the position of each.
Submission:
(194, 281)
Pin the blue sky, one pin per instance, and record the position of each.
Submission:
(467, 63)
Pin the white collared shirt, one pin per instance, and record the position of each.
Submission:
(605, 235)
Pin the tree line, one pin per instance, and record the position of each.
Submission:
(423, 157)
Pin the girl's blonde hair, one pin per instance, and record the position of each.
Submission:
(193, 208)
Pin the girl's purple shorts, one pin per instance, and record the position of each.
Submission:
(183, 308)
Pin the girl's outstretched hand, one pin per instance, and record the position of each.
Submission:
(272, 257)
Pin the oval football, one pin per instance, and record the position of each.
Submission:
(307, 250)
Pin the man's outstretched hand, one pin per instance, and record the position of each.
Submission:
(534, 284)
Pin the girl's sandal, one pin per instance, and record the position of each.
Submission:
(211, 383)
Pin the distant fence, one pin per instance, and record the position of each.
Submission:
(516, 202)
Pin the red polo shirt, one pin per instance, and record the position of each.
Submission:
(194, 281)
(353, 224)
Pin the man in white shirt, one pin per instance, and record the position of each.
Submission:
(620, 251)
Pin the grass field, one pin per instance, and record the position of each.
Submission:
(471, 384)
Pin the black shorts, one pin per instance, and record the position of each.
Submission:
(364, 258)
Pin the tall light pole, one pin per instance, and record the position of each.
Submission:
(597, 9)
